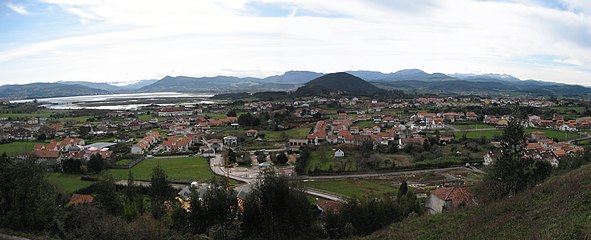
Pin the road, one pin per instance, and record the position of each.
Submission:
(371, 175)
(147, 184)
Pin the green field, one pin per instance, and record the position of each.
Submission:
(184, 168)
(28, 115)
(292, 133)
(553, 133)
(365, 124)
(68, 182)
(479, 134)
(356, 187)
(498, 132)
(14, 148)
(347, 163)
(472, 126)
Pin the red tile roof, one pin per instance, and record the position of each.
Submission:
(456, 195)
(76, 199)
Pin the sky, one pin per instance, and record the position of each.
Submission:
(128, 40)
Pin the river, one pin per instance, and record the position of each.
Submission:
(127, 101)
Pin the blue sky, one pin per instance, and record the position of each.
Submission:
(114, 40)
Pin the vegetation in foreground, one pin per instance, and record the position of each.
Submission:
(560, 208)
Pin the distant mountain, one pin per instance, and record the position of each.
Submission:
(46, 90)
(406, 74)
(218, 83)
(338, 83)
(471, 76)
(294, 77)
(491, 87)
(115, 87)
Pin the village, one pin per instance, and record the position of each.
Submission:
(337, 148)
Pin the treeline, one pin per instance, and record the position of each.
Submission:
(273, 209)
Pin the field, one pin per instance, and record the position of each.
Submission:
(472, 126)
(479, 134)
(329, 163)
(292, 133)
(553, 133)
(355, 187)
(365, 124)
(14, 148)
(68, 182)
(183, 168)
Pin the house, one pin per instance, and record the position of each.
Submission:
(177, 144)
(251, 133)
(172, 112)
(215, 144)
(491, 156)
(22, 134)
(444, 199)
(144, 145)
(231, 140)
(402, 142)
(296, 143)
(76, 199)
(537, 135)
(567, 128)
(48, 156)
(471, 116)
(339, 153)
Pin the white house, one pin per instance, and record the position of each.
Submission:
(231, 140)
(443, 199)
(339, 153)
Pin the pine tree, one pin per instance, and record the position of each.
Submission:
(160, 191)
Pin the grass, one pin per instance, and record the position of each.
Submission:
(291, 133)
(365, 124)
(472, 126)
(13, 148)
(28, 115)
(356, 187)
(317, 163)
(73, 119)
(559, 208)
(441, 160)
(183, 168)
(68, 182)
(549, 133)
(479, 134)
(498, 132)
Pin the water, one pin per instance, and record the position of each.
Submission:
(119, 101)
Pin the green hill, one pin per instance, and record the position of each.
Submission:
(340, 82)
(560, 208)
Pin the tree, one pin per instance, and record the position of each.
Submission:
(106, 195)
(159, 191)
(403, 189)
(302, 162)
(285, 210)
(27, 200)
(248, 119)
(281, 158)
(133, 205)
(513, 171)
(231, 156)
(96, 163)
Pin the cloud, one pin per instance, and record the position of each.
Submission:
(18, 8)
(145, 39)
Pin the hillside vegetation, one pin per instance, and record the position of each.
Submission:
(560, 208)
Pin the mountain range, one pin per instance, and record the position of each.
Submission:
(410, 80)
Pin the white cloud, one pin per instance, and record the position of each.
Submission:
(186, 37)
(18, 8)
